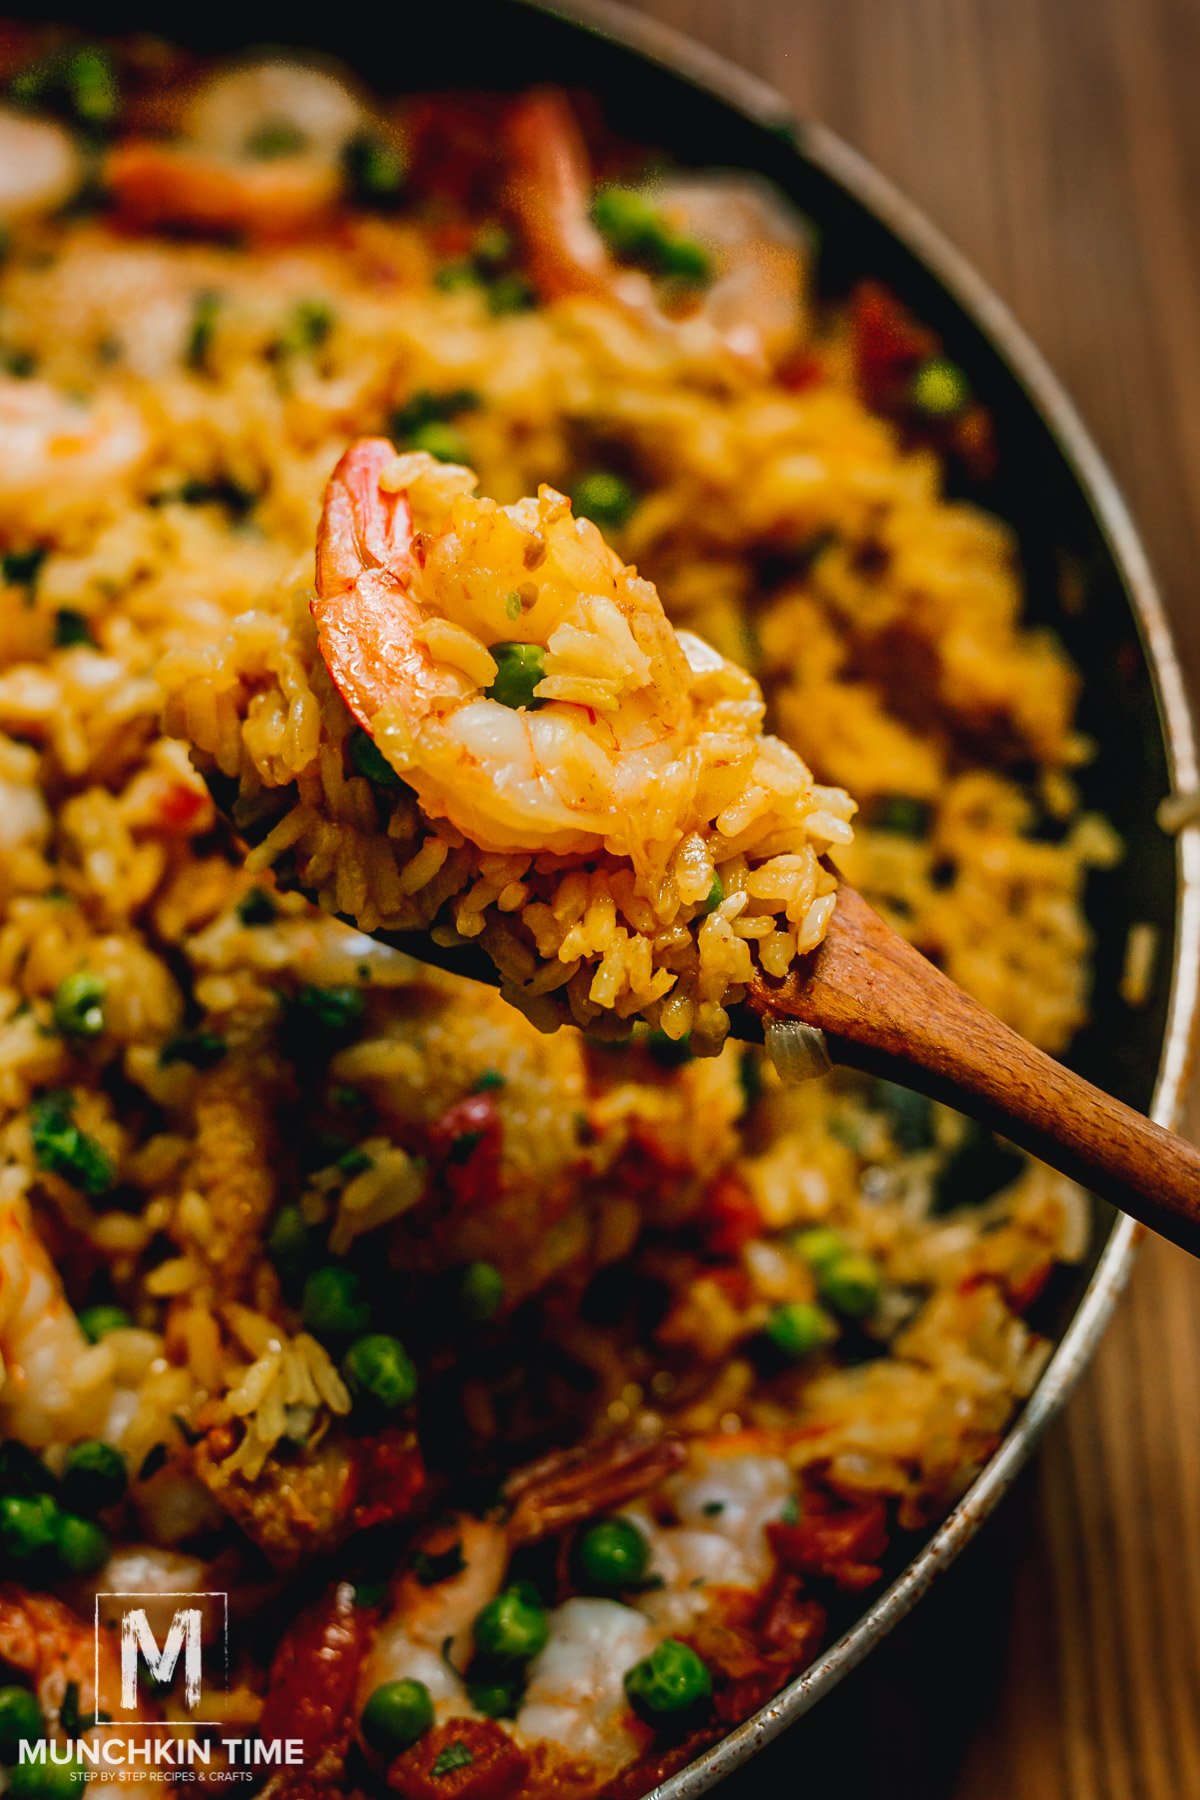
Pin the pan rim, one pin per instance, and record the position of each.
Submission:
(756, 99)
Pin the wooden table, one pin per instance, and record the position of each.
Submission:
(1057, 142)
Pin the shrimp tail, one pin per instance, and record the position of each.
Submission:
(550, 190)
(571, 1485)
(362, 527)
(364, 614)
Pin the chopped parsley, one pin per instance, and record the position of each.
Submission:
(61, 1148)
(454, 1756)
(21, 568)
(428, 408)
(309, 325)
(80, 84)
(205, 310)
(71, 628)
(256, 908)
(154, 1460)
(332, 1013)
(199, 1049)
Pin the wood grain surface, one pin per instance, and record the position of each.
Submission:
(1057, 142)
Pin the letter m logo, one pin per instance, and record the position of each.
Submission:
(198, 1623)
(137, 1637)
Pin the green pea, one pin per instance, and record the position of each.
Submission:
(637, 230)
(852, 1285)
(442, 440)
(368, 759)
(375, 168)
(81, 1544)
(21, 1721)
(481, 1292)
(821, 1247)
(519, 668)
(96, 1322)
(332, 1305)
(379, 1369)
(93, 1476)
(604, 497)
(79, 1005)
(939, 388)
(613, 1553)
(682, 259)
(397, 1713)
(28, 1526)
(672, 1679)
(798, 1328)
(495, 1699)
(513, 1627)
(48, 1780)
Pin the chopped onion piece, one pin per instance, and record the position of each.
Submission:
(799, 1052)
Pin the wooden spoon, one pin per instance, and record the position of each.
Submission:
(886, 1009)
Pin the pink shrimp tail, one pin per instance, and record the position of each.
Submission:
(361, 526)
(366, 618)
(551, 192)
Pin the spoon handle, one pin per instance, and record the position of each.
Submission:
(888, 1010)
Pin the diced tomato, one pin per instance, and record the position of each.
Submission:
(792, 1624)
(387, 1478)
(647, 1169)
(842, 1546)
(462, 1759)
(464, 1144)
(310, 1691)
(730, 1218)
(888, 342)
(183, 807)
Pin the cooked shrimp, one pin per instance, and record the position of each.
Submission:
(260, 151)
(40, 165)
(722, 1505)
(756, 299)
(627, 736)
(56, 450)
(47, 1641)
(56, 1386)
(425, 1633)
(551, 194)
(576, 1693)
(754, 304)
